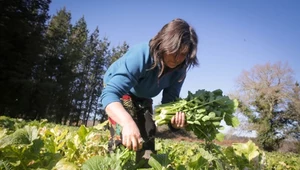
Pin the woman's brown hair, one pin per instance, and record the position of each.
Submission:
(175, 37)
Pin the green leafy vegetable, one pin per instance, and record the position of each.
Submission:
(204, 112)
(159, 162)
(5, 165)
(35, 145)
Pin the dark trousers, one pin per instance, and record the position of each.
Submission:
(141, 111)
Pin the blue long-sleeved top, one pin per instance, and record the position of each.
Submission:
(131, 73)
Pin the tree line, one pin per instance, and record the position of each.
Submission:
(50, 68)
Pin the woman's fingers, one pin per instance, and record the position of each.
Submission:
(173, 120)
(128, 143)
(179, 120)
(140, 144)
(182, 123)
(133, 143)
(131, 136)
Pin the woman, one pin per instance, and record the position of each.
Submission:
(142, 73)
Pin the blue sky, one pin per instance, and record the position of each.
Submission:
(234, 35)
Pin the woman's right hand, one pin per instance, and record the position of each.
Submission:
(131, 137)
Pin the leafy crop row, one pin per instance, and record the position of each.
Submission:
(41, 145)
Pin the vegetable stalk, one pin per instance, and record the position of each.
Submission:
(204, 111)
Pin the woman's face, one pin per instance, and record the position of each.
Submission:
(173, 60)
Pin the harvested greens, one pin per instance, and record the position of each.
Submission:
(204, 111)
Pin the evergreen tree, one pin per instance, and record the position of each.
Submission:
(22, 27)
(56, 63)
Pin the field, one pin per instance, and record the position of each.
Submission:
(43, 145)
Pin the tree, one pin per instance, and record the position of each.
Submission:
(56, 60)
(74, 56)
(291, 117)
(116, 53)
(22, 27)
(263, 93)
(98, 56)
(98, 50)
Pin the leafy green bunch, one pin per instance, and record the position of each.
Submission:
(204, 111)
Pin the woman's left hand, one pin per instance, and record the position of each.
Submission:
(178, 121)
